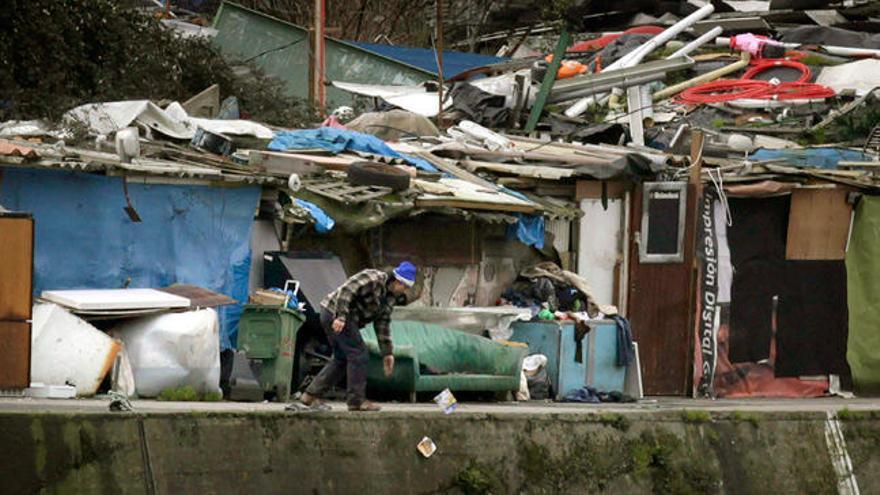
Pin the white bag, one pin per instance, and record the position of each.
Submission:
(173, 350)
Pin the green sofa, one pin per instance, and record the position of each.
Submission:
(430, 358)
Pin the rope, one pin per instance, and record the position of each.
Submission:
(722, 196)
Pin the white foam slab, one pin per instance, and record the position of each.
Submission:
(96, 299)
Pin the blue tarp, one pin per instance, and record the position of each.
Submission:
(529, 229)
(323, 222)
(83, 239)
(339, 140)
(454, 63)
(811, 157)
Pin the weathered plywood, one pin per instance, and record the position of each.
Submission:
(592, 189)
(818, 224)
(16, 267)
(600, 247)
(115, 299)
(15, 354)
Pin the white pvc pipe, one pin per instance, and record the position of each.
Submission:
(693, 45)
(636, 56)
(843, 51)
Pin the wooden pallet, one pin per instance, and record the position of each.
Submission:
(346, 193)
(873, 141)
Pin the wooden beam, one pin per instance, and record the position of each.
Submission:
(592, 189)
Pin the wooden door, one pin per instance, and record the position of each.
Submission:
(16, 274)
(659, 307)
(15, 354)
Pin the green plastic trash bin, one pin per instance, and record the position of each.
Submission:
(267, 334)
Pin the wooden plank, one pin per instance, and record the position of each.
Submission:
(547, 188)
(284, 164)
(592, 189)
(474, 205)
(15, 354)
(818, 224)
(199, 296)
(16, 267)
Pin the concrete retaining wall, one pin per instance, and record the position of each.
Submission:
(198, 453)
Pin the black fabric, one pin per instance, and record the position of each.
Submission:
(539, 385)
(625, 351)
(831, 36)
(812, 310)
(632, 166)
(479, 106)
(593, 133)
(581, 329)
(226, 358)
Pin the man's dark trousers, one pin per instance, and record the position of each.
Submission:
(349, 354)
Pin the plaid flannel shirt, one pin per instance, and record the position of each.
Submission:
(365, 298)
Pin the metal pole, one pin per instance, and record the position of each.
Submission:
(317, 80)
(440, 61)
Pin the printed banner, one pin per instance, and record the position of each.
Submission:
(707, 320)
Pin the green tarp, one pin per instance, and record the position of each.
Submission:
(863, 293)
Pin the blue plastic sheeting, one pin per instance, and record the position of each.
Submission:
(339, 140)
(454, 63)
(811, 157)
(529, 229)
(189, 234)
(323, 222)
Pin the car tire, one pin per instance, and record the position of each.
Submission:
(378, 174)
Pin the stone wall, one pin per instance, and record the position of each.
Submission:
(264, 453)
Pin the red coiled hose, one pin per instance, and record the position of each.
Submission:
(749, 87)
(765, 64)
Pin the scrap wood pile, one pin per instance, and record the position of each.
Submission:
(509, 142)
(779, 94)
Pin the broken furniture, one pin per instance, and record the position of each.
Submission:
(495, 320)
(267, 335)
(430, 358)
(67, 350)
(572, 363)
(16, 286)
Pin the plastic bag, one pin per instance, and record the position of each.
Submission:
(173, 350)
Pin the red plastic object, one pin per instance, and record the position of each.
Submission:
(603, 41)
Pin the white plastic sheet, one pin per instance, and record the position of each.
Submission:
(107, 118)
(531, 365)
(173, 350)
(861, 76)
(67, 350)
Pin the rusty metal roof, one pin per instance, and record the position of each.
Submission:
(8, 148)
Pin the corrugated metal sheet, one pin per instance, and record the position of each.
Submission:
(561, 230)
(282, 50)
(454, 63)
(8, 148)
